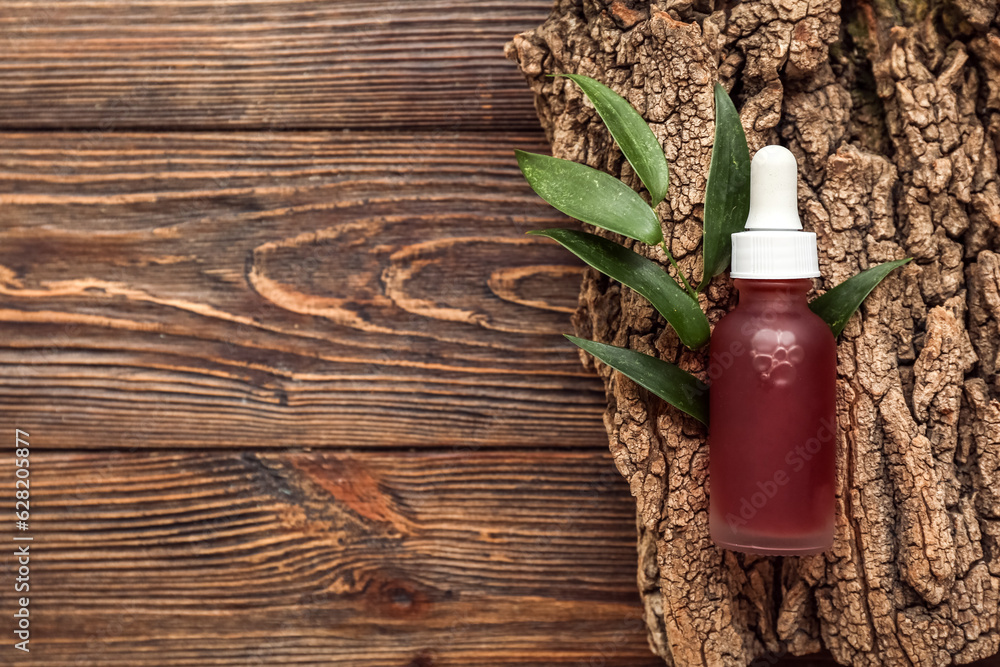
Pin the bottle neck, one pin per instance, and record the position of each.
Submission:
(775, 295)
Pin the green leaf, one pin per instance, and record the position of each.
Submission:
(591, 196)
(643, 275)
(727, 194)
(837, 305)
(634, 137)
(678, 388)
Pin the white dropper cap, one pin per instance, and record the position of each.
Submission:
(774, 246)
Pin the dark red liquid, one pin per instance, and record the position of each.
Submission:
(772, 435)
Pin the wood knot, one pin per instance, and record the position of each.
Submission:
(422, 659)
(398, 599)
(444, 280)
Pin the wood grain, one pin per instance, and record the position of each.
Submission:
(296, 294)
(332, 558)
(305, 64)
(280, 289)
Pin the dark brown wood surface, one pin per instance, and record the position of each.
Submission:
(269, 558)
(296, 395)
(281, 289)
(294, 64)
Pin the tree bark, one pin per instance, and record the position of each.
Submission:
(893, 111)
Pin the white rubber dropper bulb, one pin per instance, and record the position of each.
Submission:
(773, 190)
(774, 247)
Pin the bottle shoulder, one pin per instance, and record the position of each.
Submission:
(744, 324)
(787, 352)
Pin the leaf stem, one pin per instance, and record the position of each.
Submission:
(687, 286)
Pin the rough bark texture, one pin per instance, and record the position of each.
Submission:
(893, 111)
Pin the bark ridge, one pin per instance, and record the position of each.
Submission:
(893, 112)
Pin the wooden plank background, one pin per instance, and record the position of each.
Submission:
(290, 367)
(271, 558)
(296, 64)
(285, 289)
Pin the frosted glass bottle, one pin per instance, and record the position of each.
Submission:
(773, 365)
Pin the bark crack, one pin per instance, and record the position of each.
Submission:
(896, 128)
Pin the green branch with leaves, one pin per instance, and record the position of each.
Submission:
(601, 200)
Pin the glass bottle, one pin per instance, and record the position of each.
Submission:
(773, 371)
